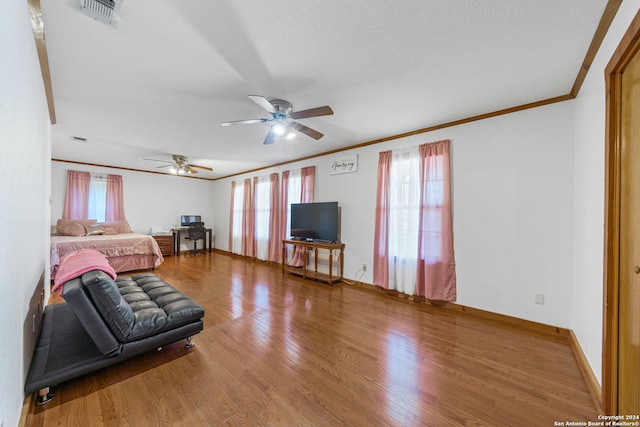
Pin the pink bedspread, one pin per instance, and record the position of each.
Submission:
(139, 249)
(77, 263)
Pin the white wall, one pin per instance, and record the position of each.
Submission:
(24, 208)
(151, 200)
(589, 195)
(528, 192)
(512, 201)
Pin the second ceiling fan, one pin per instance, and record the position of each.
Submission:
(283, 118)
(180, 165)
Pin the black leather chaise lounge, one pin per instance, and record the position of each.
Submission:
(104, 321)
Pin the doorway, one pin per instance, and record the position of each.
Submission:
(621, 359)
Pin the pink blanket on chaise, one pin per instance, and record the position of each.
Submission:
(79, 262)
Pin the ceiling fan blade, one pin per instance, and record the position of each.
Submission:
(269, 139)
(312, 112)
(263, 102)
(201, 167)
(244, 122)
(157, 160)
(189, 169)
(165, 166)
(306, 130)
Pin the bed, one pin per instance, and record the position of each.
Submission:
(125, 252)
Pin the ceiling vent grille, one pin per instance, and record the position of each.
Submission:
(104, 11)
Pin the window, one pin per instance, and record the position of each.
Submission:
(404, 215)
(294, 195)
(237, 198)
(263, 212)
(93, 196)
(433, 210)
(97, 204)
(254, 214)
(413, 245)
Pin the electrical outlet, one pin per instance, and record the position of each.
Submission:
(539, 299)
(364, 267)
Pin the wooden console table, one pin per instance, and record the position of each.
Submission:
(314, 274)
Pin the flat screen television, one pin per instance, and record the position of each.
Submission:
(185, 220)
(316, 221)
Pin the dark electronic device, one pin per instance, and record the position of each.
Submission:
(315, 221)
(185, 220)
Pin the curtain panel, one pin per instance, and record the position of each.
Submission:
(231, 215)
(265, 201)
(381, 232)
(258, 221)
(297, 187)
(238, 221)
(436, 273)
(248, 223)
(77, 198)
(284, 203)
(308, 180)
(79, 194)
(114, 206)
(273, 252)
(413, 236)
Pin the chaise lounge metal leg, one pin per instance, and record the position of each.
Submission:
(189, 344)
(44, 396)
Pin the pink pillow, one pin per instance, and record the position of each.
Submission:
(119, 226)
(69, 228)
(110, 231)
(73, 227)
(94, 229)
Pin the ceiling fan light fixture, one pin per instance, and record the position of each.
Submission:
(291, 135)
(180, 165)
(279, 128)
(283, 119)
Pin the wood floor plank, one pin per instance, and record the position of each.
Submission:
(278, 350)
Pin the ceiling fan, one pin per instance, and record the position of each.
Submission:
(180, 165)
(283, 118)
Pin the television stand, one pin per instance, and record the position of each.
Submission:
(314, 246)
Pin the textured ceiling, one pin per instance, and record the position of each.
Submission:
(161, 82)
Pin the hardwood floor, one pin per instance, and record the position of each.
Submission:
(278, 350)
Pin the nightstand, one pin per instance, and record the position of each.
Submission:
(165, 242)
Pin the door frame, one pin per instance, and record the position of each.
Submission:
(628, 47)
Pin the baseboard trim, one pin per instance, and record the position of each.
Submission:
(511, 321)
(587, 373)
(564, 334)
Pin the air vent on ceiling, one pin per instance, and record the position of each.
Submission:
(104, 11)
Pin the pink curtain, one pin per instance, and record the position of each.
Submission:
(254, 206)
(233, 193)
(248, 241)
(284, 203)
(436, 276)
(381, 236)
(114, 207)
(308, 176)
(77, 198)
(274, 242)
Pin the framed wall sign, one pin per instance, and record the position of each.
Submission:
(346, 165)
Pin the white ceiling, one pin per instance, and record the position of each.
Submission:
(163, 80)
